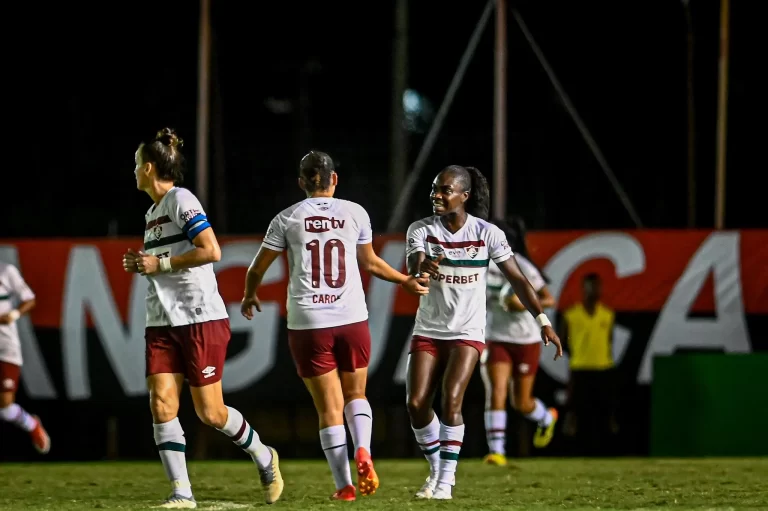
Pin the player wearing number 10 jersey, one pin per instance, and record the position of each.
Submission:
(326, 238)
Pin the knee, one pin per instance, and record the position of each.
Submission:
(214, 416)
(164, 405)
(417, 404)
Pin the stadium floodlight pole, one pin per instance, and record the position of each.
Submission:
(623, 197)
(500, 113)
(722, 115)
(395, 222)
(203, 102)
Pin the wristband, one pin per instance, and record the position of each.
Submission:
(165, 264)
(14, 315)
(543, 320)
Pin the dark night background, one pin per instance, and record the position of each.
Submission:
(97, 78)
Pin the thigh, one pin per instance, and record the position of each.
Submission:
(459, 368)
(352, 346)
(496, 371)
(312, 351)
(205, 350)
(421, 380)
(163, 355)
(9, 378)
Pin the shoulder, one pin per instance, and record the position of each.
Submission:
(606, 311)
(423, 224)
(572, 310)
(485, 227)
(289, 211)
(6, 268)
(353, 207)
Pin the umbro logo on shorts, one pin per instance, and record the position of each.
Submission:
(209, 372)
(524, 368)
(8, 384)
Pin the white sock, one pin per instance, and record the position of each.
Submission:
(496, 430)
(540, 415)
(360, 422)
(428, 439)
(246, 438)
(334, 443)
(451, 439)
(18, 416)
(169, 438)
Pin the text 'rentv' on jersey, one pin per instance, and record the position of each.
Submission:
(455, 305)
(186, 296)
(321, 235)
(13, 290)
(513, 327)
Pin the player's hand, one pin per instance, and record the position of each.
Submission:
(431, 266)
(5, 319)
(147, 263)
(415, 285)
(247, 305)
(548, 335)
(130, 259)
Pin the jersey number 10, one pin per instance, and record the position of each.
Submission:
(327, 263)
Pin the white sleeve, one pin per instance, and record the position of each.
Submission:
(416, 239)
(189, 215)
(498, 247)
(18, 285)
(275, 237)
(531, 273)
(364, 221)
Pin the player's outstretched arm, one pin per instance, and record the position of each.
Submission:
(528, 296)
(253, 278)
(378, 267)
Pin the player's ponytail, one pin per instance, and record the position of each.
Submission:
(316, 169)
(164, 151)
(479, 200)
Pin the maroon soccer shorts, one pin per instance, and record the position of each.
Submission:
(523, 357)
(9, 377)
(198, 351)
(321, 350)
(440, 349)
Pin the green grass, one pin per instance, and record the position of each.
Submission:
(538, 484)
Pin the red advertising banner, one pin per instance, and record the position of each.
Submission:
(640, 269)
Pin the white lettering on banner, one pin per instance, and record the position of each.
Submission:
(86, 286)
(37, 381)
(381, 297)
(728, 330)
(626, 254)
(250, 365)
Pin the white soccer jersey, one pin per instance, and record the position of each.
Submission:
(187, 296)
(13, 290)
(455, 305)
(321, 235)
(514, 327)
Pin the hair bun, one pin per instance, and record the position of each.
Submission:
(168, 136)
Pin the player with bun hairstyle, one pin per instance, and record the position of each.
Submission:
(187, 323)
(327, 240)
(511, 360)
(454, 247)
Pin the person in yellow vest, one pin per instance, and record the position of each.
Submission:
(588, 330)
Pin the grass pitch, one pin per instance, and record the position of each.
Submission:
(537, 484)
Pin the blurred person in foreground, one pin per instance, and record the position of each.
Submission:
(587, 331)
(187, 329)
(513, 341)
(16, 299)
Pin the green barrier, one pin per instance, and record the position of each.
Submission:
(710, 405)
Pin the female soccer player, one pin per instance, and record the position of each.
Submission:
(513, 349)
(454, 248)
(187, 323)
(326, 239)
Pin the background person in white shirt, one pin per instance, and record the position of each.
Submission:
(326, 239)
(511, 360)
(454, 247)
(16, 299)
(187, 323)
